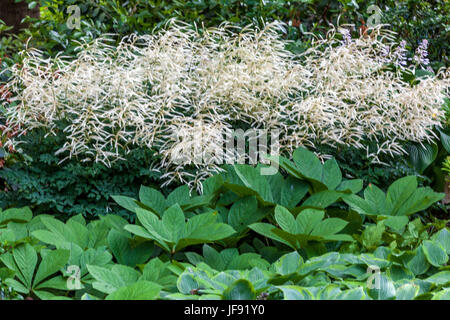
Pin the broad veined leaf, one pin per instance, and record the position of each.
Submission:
(109, 280)
(126, 202)
(403, 198)
(442, 295)
(244, 212)
(445, 139)
(420, 200)
(376, 199)
(198, 202)
(204, 228)
(396, 223)
(63, 235)
(240, 290)
(25, 258)
(291, 292)
(178, 196)
(331, 174)
(308, 164)
(157, 271)
(125, 251)
(292, 192)
(212, 184)
(440, 278)
(141, 290)
(383, 289)
(443, 237)
(288, 263)
(252, 179)
(417, 262)
(321, 200)
(173, 233)
(266, 230)
(421, 156)
(98, 257)
(15, 214)
(435, 253)
(399, 191)
(50, 264)
(351, 294)
(285, 219)
(172, 223)
(407, 292)
(353, 186)
(308, 225)
(153, 199)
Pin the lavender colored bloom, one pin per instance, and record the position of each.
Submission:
(421, 54)
(385, 51)
(400, 54)
(346, 36)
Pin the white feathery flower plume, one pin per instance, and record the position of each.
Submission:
(181, 89)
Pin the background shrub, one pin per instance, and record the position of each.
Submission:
(412, 19)
(71, 187)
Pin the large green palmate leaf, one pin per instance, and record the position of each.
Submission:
(245, 180)
(309, 225)
(73, 232)
(109, 280)
(153, 199)
(403, 198)
(15, 214)
(23, 261)
(319, 200)
(51, 263)
(173, 233)
(327, 176)
(308, 164)
(292, 192)
(225, 259)
(158, 272)
(442, 295)
(126, 251)
(244, 212)
(287, 192)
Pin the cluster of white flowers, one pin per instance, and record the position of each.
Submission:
(150, 90)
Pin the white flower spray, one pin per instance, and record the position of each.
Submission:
(156, 91)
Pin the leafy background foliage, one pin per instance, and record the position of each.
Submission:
(72, 187)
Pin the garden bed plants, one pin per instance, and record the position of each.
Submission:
(246, 237)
